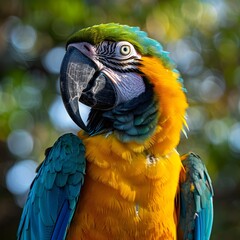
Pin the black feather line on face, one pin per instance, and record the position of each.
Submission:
(120, 66)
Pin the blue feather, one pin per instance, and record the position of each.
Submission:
(196, 200)
(55, 191)
(62, 222)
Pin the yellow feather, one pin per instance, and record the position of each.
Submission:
(116, 192)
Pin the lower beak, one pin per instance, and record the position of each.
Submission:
(81, 80)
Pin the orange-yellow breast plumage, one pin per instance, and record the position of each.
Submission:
(126, 196)
(130, 188)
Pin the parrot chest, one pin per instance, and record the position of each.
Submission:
(127, 197)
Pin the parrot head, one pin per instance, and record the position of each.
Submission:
(126, 78)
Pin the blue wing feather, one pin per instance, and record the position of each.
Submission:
(54, 192)
(196, 200)
(63, 219)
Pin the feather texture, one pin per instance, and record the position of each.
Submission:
(196, 206)
(172, 104)
(54, 192)
(127, 194)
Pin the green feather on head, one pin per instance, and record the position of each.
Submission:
(116, 32)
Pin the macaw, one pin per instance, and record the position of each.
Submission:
(121, 177)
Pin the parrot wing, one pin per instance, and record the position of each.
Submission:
(196, 200)
(54, 192)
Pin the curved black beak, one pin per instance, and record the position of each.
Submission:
(81, 80)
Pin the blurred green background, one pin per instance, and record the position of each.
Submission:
(204, 40)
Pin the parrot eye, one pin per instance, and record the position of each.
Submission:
(125, 50)
(122, 50)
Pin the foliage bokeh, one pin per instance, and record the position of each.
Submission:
(204, 40)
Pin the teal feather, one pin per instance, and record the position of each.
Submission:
(147, 106)
(196, 206)
(61, 179)
(142, 130)
(54, 193)
(123, 126)
(125, 118)
(49, 181)
(142, 119)
(148, 120)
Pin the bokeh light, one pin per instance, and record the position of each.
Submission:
(6, 98)
(234, 138)
(21, 119)
(20, 143)
(28, 97)
(53, 59)
(20, 176)
(196, 117)
(23, 37)
(185, 53)
(216, 131)
(211, 88)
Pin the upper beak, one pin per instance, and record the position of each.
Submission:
(82, 80)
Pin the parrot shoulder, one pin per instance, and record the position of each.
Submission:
(55, 190)
(195, 199)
